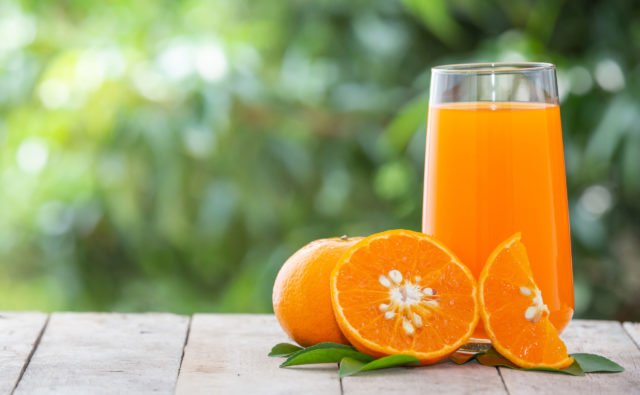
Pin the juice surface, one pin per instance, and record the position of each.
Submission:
(493, 169)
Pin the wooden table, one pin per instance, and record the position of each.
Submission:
(87, 353)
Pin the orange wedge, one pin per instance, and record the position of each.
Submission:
(513, 312)
(403, 292)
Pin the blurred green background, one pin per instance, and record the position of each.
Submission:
(170, 155)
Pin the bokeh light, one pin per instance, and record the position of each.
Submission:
(169, 156)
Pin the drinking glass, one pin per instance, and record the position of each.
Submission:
(495, 166)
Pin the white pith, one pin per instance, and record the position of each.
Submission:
(537, 309)
(408, 301)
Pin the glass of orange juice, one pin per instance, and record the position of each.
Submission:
(495, 166)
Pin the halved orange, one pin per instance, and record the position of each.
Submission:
(403, 292)
(514, 315)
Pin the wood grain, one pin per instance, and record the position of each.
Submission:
(141, 353)
(18, 335)
(633, 329)
(107, 354)
(598, 337)
(227, 354)
(442, 378)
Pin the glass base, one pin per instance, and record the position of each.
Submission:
(475, 346)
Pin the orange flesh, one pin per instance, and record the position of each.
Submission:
(357, 294)
(504, 301)
(493, 169)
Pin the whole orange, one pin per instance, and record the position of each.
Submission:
(301, 293)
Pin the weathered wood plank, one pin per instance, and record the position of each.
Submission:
(633, 329)
(19, 333)
(442, 378)
(599, 337)
(227, 354)
(107, 354)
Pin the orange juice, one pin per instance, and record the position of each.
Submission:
(493, 169)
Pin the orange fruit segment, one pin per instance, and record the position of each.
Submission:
(301, 298)
(403, 292)
(513, 312)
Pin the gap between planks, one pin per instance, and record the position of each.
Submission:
(620, 342)
(105, 353)
(184, 348)
(33, 350)
(19, 331)
(633, 330)
(227, 353)
(502, 380)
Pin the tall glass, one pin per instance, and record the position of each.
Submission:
(495, 166)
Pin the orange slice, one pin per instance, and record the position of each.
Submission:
(402, 292)
(513, 312)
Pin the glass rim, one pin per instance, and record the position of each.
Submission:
(493, 68)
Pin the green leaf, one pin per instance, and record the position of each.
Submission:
(493, 358)
(592, 363)
(325, 353)
(284, 350)
(350, 366)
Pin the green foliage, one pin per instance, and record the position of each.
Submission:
(583, 363)
(593, 363)
(350, 366)
(324, 353)
(283, 350)
(493, 358)
(353, 362)
(171, 155)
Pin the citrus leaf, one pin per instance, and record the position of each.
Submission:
(284, 350)
(350, 366)
(574, 370)
(592, 363)
(325, 353)
(493, 358)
